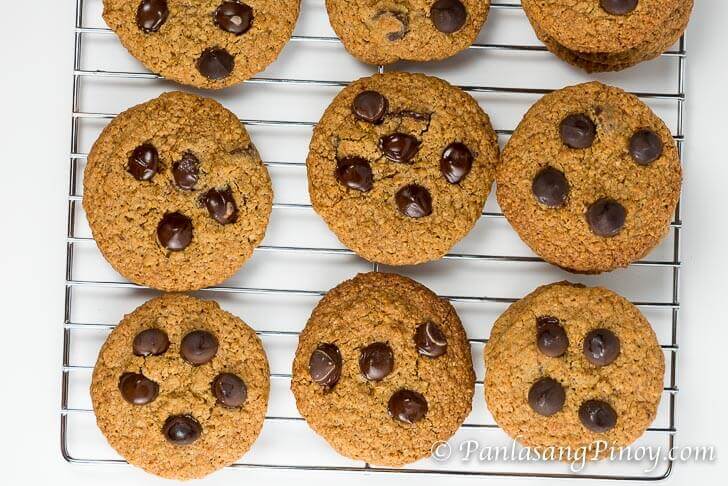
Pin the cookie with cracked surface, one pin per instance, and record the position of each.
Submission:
(569, 365)
(590, 179)
(383, 370)
(400, 167)
(205, 43)
(176, 194)
(180, 387)
(387, 31)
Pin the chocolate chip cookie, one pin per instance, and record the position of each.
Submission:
(386, 31)
(608, 35)
(569, 365)
(180, 387)
(590, 179)
(176, 194)
(400, 166)
(383, 370)
(205, 43)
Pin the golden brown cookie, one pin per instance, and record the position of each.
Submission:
(383, 370)
(180, 387)
(176, 194)
(203, 43)
(400, 167)
(386, 31)
(590, 179)
(569, 365)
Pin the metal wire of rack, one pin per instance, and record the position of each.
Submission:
(672, 265)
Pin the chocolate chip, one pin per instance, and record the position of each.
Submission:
(229, 390)
(150, 342)
(143, 162)
(174, 231)
(186, 171)
(407, 406)
(233, 17)
(376, 361)
(414, 201)
(151, 14)
(618, 7)
(550, 187)
(324, 366)
(181, 429)
(597, 416)
(215, 63)
(399, 147)
(198, 347)
(546, 397)
(551, 337)
(430, 341)
(601, 347)
(578, 131)
(448, 16)
(456, 162)
(401, 18)
(645, 147)
(606, 217)
(137, 389)
(370, 106)
(220, 203)
(355, 173)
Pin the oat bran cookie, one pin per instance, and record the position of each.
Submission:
(386, 31)
(383, 370)
(400, 167)
(569, 365)
(590, 179)
(204, 43)
(180, 387)
(176, 194)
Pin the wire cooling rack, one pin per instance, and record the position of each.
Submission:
(300, 259)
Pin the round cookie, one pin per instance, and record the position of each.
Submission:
(180, 387)
(204, 43)
(176, 194)
(569, 365)
(400, 167)
(385, 31)
(590, 179)
(383, 370)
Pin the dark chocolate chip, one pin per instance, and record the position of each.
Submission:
(407, 406)
(229, 390)
(150, 342)
(215, 63)
(550, 187)
(618, 7)
(186, 171)
(324, 365)
(430, 341)
(606, 217)
(645, 147)
(401, 18)
(456, 162)
(376, 361)
(578, 131)
(597, 416)
(143, 162)
(448, 16)
(234, 17)
(198, 347)
(355, 173)
(399, 147)
(181, 429)
(551, 337)
(546, 397)
(220, 203)
(414, 201)
(137, 389)
(601, 347)
(151, 14)
(370, 106)
(175, 231)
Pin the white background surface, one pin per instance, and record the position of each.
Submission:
(36, 79)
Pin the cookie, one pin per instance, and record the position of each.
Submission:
(385, 31)
(383, 370)
(204, 43)
(400, 167)
(176, 194)
(569, 365)
(590, 179)
(608, 35)
(180, 388)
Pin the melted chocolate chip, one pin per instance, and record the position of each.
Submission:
(606, 217)
(220, 203)
(198, 347)
(551, 337)
(399, 147)
(376, 361)
(150, 342)
(143, 162)
(370, 106)
(181, 429)
(215, 63)
(550, 187)
(407, 406)
(324, 365)
(430, 341)
(456, 162)
(355, 173)
(401, 18)
(233, 17)
(645, 147)
(546, 397)
(414, 201)
(229, 390)
(186, 171)
(601, 347)
(597, 416)
(137, 389)
(618, 7)
(151, 15)
(174, 231)
(448, 16)
(578, 131)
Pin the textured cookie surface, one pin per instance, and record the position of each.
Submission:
(172, 395)
(386, 31)
(603, 204)
(355, 407)
(628, 377)
(400, 167)
(176, 194)
(203, 43)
